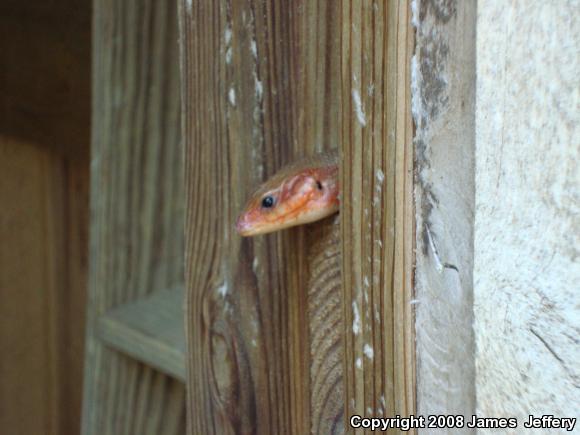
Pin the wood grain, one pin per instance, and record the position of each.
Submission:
(136, 207)
(325, 328)
(445, 195)
(45, 52)
(263, 82)
(43, 228)
(377, 213)
(259, 83)
(150, 330)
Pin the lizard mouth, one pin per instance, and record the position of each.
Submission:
(245, 226)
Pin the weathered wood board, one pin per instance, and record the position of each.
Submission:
(45, 50)
(136, 207)
(443, 110)
(263, 342)
(377, 209)
(43, 265)
(264, 82)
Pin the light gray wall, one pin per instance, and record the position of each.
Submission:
(527, 216)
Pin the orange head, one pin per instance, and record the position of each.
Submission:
(291, 198)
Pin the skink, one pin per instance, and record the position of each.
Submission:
(301, 192)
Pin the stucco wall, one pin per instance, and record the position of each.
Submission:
(527, 217)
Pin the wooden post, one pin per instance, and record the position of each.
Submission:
(136, 221)
(264, 313)
(377, 209)
(444, 102)
(263, 84)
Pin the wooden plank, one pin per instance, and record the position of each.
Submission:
(377, 210)
(149, 330)
(236, 131)
(45, 103)
(444, 102)
(259, 87)
(325, 358)
(29, 283)
(136, 206)
(237, 152)
(43, 227)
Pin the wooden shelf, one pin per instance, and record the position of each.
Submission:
(150, 330)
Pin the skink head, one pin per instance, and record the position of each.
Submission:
(293, 199)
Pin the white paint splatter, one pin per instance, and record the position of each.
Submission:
(232, 96)
(360, 114)
(255, 264)
(223, 290)
(227, 34)
(366, 281)
(414, 301)
(254, 49)
(358, 363)
(371, 89)
(254, 342)
(227, 41)
(380, 176)
(383, 402)
(189, 6)
(356, 325)
(368, 351)
(259, 89)
(369, 411)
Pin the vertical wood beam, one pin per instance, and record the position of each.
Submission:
(443, 110)
(377, 208)
(259, 82)
(136, 235)
(239, 117)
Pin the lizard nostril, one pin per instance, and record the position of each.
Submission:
(318, 185)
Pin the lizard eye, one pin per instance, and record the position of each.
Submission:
(268, 202)
(318, 185)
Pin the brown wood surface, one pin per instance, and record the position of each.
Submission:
(43, 263)
(136, 207)
(260, 81)
(44, 146)
(150, 330)
(377, 213)
(45, 74)
(263, 83)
